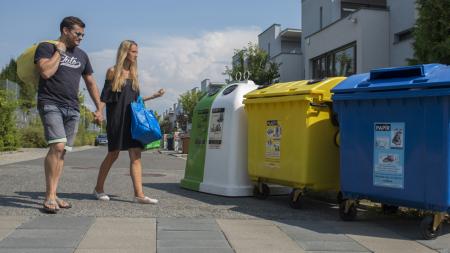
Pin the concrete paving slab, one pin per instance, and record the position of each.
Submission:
(197, 235)
(121, 234)
(380, 239)
(112, 251)
(311, 231)
(190, 235)
(257, 236)
(58, 222)
(319, 236)
(36, 243)
(47, 233)
(183, 224)
(59, 250)
(332, 246)
(196, 243)
(195, 250)
(9, 223)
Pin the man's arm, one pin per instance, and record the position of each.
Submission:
(47, 67)
(91, 85)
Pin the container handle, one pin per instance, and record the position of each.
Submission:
(318, 105)
(404, 72)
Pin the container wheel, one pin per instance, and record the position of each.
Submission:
(350, 213)
(426, 228)
(339, 197)
(337, 139)
(389, 209)
(261, 191)
(295, 199)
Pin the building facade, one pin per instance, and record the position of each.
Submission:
(345, 37)
(284, 47)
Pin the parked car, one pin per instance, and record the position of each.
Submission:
(101, 139)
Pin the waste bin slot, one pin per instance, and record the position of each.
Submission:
(404, 72)
(314, 81)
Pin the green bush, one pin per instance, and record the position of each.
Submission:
(32, 136)
(9, 138)
(84, 137)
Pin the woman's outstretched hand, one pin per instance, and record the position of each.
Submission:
(156, 95)
(159, 93)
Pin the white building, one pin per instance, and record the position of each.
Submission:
(344, 37)
(283, 46)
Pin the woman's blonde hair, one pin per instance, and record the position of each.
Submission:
(118, 79)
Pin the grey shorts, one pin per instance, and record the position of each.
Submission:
(60, 124)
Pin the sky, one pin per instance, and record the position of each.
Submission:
(180, 42)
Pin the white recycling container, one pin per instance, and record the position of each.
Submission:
(225, 170)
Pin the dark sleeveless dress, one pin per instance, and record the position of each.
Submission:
(118, 116)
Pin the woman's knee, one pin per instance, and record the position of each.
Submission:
(113, 155)
(135, 154)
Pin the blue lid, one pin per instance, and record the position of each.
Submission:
(400, 78)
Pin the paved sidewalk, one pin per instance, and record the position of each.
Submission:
(184, 235)
(183, 220)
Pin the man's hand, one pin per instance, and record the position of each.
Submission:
(98, 117)
(60, 46)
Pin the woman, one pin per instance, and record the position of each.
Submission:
(121, 88)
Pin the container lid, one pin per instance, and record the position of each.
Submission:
(399, 78)
(302, 87)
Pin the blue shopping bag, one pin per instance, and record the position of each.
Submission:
(144, 124)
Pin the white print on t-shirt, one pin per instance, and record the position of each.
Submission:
(71, 62)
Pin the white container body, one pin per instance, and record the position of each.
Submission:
(225, 170)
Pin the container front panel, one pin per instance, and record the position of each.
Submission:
(396, 150)
(197, 146)
(292, 144)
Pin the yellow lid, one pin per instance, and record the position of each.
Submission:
(302, 87)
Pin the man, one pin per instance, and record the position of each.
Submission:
(61, 67)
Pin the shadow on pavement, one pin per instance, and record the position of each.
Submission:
(18, 202)
(315, 216)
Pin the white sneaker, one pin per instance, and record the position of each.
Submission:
(101, 196)
(145, 200)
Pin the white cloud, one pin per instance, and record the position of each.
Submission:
(178, 64)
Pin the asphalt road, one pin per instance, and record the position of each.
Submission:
(22, 187)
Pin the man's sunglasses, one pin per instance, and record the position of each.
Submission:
(78, 34)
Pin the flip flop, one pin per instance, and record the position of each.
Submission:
(63, 204)
(47, 206)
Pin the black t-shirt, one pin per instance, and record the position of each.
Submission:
(62, 88)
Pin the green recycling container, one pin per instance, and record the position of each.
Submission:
(195, 163)
(153, 145)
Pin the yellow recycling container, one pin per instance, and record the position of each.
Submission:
(292, 138)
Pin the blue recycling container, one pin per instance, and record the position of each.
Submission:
(394, 140)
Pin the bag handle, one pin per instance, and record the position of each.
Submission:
(140, 100)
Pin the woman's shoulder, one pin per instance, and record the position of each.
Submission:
(110, 73)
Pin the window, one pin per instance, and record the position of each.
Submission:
(321, 17)
(403, 35)
(339, 62)
(350, 6)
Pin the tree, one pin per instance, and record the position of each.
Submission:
(432, 32)
(27, 91)
(262, 70)
(188, 101)
(165, 126)
(9, 139)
